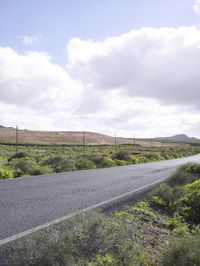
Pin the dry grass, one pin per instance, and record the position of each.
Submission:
(7, 135)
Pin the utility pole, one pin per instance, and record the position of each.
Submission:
(16, 139)
(115, 139)
(134, 138)
(84, 140)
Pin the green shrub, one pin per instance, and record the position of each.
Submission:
(120, 162)
(167, 156)
(89, 239)
(85, 163)
(18, 155)
(158, 201)
(193, 186)
(122, 155)
(102, 260)
(143, 208)
(196, 230)
(18, 173)
(183, 252)
(23, 166)
(41, 170)
(191, 207)
(194, 169)
(181, 177)
(107, 162)
(176, 196)
(164, 193)
(60, 164)
(142, 159)
(134, 160)
(167, 196)
(140, 210)
(96, 159)
(175, 221)
(5, 173)
(180, 228)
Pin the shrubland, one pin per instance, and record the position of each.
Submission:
(38, 160)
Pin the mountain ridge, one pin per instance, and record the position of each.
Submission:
(179, 138)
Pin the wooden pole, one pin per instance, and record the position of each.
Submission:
(16, 139)
(84, 140)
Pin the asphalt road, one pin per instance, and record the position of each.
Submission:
(28, 202)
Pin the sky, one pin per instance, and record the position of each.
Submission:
(124, 66)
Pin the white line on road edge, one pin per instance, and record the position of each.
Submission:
(68, 216)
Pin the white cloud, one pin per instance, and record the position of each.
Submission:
(146, 117)
(145, 81)
(161, 64)
(35, 93)
(32, 80)
(29, 40)
(196, 7)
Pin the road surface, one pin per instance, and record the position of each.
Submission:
(29, 202)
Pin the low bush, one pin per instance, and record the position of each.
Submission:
(6, 173)
(22, 166)
(178, 225)
(96, 159)
(181, 177)
(25, 165)
(18, 155)
(142, 159)
(60, 164)
(85, 163)
(191, 206)
(120, 162)
(163, 195)
(62, 159)
(194, 169)
(122, 155)
(134, 160)
(91, 240)
(107, 162)
(41, 170)
(193, 186)
(183, 252)
(167, 196)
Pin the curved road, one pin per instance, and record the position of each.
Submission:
(29, 202)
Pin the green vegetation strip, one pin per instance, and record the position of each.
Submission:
(38, 160)
(162, 230)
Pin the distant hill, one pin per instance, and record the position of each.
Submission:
(179, 138)
(8, 135)
(2, 126)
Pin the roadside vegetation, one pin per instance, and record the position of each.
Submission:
(163, 229)
(38, 160)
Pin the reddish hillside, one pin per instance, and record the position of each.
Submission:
(7, 135)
